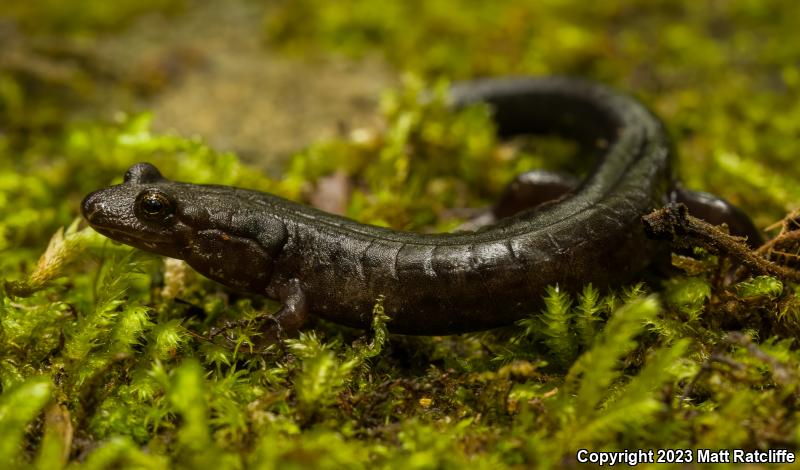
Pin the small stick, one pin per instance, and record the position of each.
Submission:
(673, 223)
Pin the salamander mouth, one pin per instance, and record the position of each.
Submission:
(96, 212)
(150, 242)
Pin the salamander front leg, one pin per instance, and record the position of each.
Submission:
(528, 190)
(290, 318)
(285, 323)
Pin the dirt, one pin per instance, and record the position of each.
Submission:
(207, 72)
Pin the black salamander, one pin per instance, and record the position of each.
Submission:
(337, 268)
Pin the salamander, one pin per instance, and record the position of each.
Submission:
(334, 267)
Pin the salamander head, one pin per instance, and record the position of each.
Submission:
(218, 230)
(146, 211)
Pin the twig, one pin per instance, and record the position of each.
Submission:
(673, 223)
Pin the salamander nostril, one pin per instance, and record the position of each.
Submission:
(89, 206)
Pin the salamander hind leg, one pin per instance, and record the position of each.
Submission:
(532, 189)
(716, 211)
(528, 190)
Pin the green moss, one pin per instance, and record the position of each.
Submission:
(19, 406)
(101, 366)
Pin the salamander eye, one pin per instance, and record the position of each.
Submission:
(153, 204)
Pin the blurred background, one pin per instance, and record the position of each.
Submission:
(205, 68)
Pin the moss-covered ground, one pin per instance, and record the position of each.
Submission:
(105, 357)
